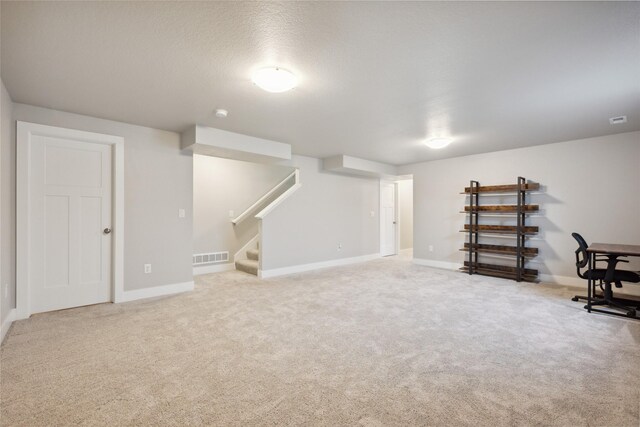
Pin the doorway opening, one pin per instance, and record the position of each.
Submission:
(396, 218)
(405, 217)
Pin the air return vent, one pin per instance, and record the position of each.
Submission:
(210, 258)
(618, 120)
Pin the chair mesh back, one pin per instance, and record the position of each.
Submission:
(582, 249)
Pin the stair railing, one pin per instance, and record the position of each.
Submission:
(247, 212)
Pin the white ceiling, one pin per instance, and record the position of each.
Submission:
(376, 78)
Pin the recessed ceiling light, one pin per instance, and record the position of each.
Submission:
(438, 142)
(618, 120)
(275, 79)
(221, 113)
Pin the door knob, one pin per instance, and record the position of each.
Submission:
(107, 231)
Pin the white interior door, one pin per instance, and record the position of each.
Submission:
(388, 226)
(69, 223)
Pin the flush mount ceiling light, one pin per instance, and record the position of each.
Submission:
(437, 142)
(221, 113)
(275, 79)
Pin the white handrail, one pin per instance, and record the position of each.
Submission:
(262, 199)
(279, 200)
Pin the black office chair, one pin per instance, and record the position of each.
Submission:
(604, 276)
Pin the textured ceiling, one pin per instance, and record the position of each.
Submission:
(376, 78)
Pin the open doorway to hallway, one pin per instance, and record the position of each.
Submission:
(405, 217)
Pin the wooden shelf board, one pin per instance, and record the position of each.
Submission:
(501, 193)
(501, 208)
(499, 229)
(500, 274)
(526, 249)
(504, 268)
(504, 233)
(493, 251)
(501, 249)
(531, 186)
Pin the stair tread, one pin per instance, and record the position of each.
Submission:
(248, 266)
(251, 262)
(253, 254)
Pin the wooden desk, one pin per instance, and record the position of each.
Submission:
(606, 249)
(614, 249)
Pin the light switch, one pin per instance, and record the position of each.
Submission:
(181, 213)
(232, 214)
(372, 213)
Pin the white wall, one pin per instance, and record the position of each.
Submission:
(7, 206)
(328, 210)
(590, 186)
(158, 182)
(221, 185)
(405, 213)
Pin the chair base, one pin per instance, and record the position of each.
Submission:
(630, 311)
(629, 306)
(633, 314)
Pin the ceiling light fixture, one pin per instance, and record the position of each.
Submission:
(437, 142)
(275, 79)
(220, 113)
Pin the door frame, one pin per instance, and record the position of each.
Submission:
(24, 132)
(396, 242)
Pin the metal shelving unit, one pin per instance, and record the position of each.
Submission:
(473, 229)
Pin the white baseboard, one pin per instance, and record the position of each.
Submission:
(6, 323)
(574, 282)
(156, 291)
(265, 274)
(628, 289)
(437, 264)
(216, 268)
(550, 279)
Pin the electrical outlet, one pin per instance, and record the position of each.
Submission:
(181, 213)
(147, 268)
(430, 248)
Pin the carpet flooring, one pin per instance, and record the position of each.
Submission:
(378, 343)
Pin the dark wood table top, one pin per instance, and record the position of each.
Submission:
(614, 249)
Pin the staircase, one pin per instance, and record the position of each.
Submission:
(263, 206)
(251, 264)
